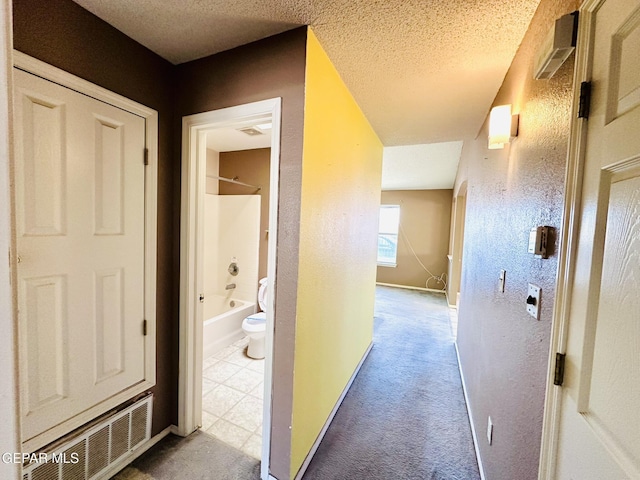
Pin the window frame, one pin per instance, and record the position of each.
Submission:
(386, 234)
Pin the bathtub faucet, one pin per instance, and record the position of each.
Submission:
(230, 286)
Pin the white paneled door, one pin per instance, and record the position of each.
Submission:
(599, 424)
(80, 246)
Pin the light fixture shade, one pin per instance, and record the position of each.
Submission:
(499, 126)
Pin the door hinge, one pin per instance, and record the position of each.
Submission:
(585, 100)
(558, 376)
(144, 328)
(146, 156)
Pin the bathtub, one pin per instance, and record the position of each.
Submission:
(223, 322)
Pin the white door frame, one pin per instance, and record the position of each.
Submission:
(9, 405)
(569, 241)
(194, 128)
(67, 80)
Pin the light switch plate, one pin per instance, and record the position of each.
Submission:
(534, 308)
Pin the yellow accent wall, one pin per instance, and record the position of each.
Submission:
(341, 172)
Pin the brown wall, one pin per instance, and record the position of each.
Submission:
(65, 35)
(425, 217)
(273, 67)
(250, 166)
(503, 350)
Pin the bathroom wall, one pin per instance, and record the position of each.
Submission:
(341, 173)
(213, 168)
(231, 231)
(503, 350)
(425, 217)
(250, 166)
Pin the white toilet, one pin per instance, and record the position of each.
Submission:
(255, 325)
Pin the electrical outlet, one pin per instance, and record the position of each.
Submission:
(489, 431)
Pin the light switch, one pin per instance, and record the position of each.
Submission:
(533, 301)
(501, 280)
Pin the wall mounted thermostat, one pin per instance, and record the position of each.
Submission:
(539, 241)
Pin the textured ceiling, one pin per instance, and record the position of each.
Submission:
(423, 71)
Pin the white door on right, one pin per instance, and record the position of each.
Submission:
(599, 428)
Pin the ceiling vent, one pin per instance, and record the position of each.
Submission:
(251, 131)
(557, 46)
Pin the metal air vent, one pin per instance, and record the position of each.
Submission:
(89, 454)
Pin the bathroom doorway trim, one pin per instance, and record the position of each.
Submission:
(194, 130)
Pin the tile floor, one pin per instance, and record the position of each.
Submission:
(232, 393)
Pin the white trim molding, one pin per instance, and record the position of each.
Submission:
(473, 428)
(568, 242)
(327, 424)
(194, 130)
(53, 74)
(9, 398)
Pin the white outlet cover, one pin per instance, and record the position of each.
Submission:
(534, 310)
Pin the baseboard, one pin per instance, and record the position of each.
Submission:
(410, 287)
(121, 465)
(473, 428)
(316, 444)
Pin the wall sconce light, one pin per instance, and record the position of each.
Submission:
(503, 127)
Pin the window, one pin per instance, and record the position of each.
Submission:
(388, 235)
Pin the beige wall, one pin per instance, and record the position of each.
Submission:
(425, 217)
(250, 166)
(268, 68)
(503, 350)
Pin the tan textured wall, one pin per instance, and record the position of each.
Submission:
(503, 350)
(273, 67)
(250, 166)
(425, 217)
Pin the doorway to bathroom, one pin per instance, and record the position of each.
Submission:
(230, 171)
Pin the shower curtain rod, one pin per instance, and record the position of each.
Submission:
(231, 180)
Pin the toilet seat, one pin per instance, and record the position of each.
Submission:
(255, 323)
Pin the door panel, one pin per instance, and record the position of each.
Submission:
(599, 429)
(80, 221)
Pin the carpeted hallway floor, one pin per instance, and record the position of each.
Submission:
(403, 418)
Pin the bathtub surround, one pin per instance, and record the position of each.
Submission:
(231, 235)
(250, 166)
